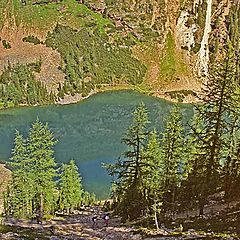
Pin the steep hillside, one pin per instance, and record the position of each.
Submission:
(160, 47)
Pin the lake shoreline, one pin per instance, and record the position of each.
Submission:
(77, 98)
(68, 99)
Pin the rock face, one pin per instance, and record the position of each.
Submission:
(176, 40)
(195, 29)
(204, 49)
(190, 21)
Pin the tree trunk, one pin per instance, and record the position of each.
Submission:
(40, 208)
(201, 207)
(156, 220)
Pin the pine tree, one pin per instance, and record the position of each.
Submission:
(40, 151)
(215, 115)
(71, 191)
(129, 170)
(172, 153)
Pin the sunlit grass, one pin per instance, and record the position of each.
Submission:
(46, 16)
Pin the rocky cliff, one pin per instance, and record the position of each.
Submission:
(175, 41)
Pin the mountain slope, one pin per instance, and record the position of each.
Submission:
(169, 44)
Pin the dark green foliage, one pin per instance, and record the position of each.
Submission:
(36, 66)
(6, 44)
(42, 167)
(196, 48)
(180, 95)
(33, 191)
(150, 173)
(19, 193)
(173, 159)
(216, 132)
(31, 39)
(129, 170)
(91, 59)
(19, 86)
(160, 177)
(60, 91)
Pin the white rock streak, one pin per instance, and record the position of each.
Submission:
(185, 34)
(204, 50)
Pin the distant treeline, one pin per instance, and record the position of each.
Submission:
(91, 57)
(18, 85)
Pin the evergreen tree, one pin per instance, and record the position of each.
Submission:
(152, 175)
(40, 149)
(129, 171)
(172, 154)
(215, 117)
(71, 191)
(19, 193)
(231, 155)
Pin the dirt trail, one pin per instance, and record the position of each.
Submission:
(78, 226)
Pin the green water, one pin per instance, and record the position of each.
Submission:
(89, 132)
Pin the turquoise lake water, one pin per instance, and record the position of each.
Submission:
(89, 132)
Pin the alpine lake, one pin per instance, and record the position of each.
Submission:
(89, 132)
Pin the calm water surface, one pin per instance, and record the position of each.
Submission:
(89, 132)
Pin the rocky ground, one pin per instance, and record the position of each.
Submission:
(79, 226)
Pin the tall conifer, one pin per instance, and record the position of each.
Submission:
(71, 191)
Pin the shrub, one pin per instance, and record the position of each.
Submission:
(6, 44)
(31, 39)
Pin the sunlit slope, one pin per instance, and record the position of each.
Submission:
(45, 16)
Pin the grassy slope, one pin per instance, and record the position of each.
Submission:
(164, 65)
(44, 17)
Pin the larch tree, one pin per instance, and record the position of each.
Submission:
(129, 170)
(152, 175)
(231, 169)
(71, 190)
(172, 154)
(216, 115)
(20, 190)
(40, 152)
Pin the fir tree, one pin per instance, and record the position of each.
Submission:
(129, 170)
(71, 191)
(40, 151)
(172, 153)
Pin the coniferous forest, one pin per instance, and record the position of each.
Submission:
(18, 85)
(160, 175)
(39, 187)
(175, 172)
